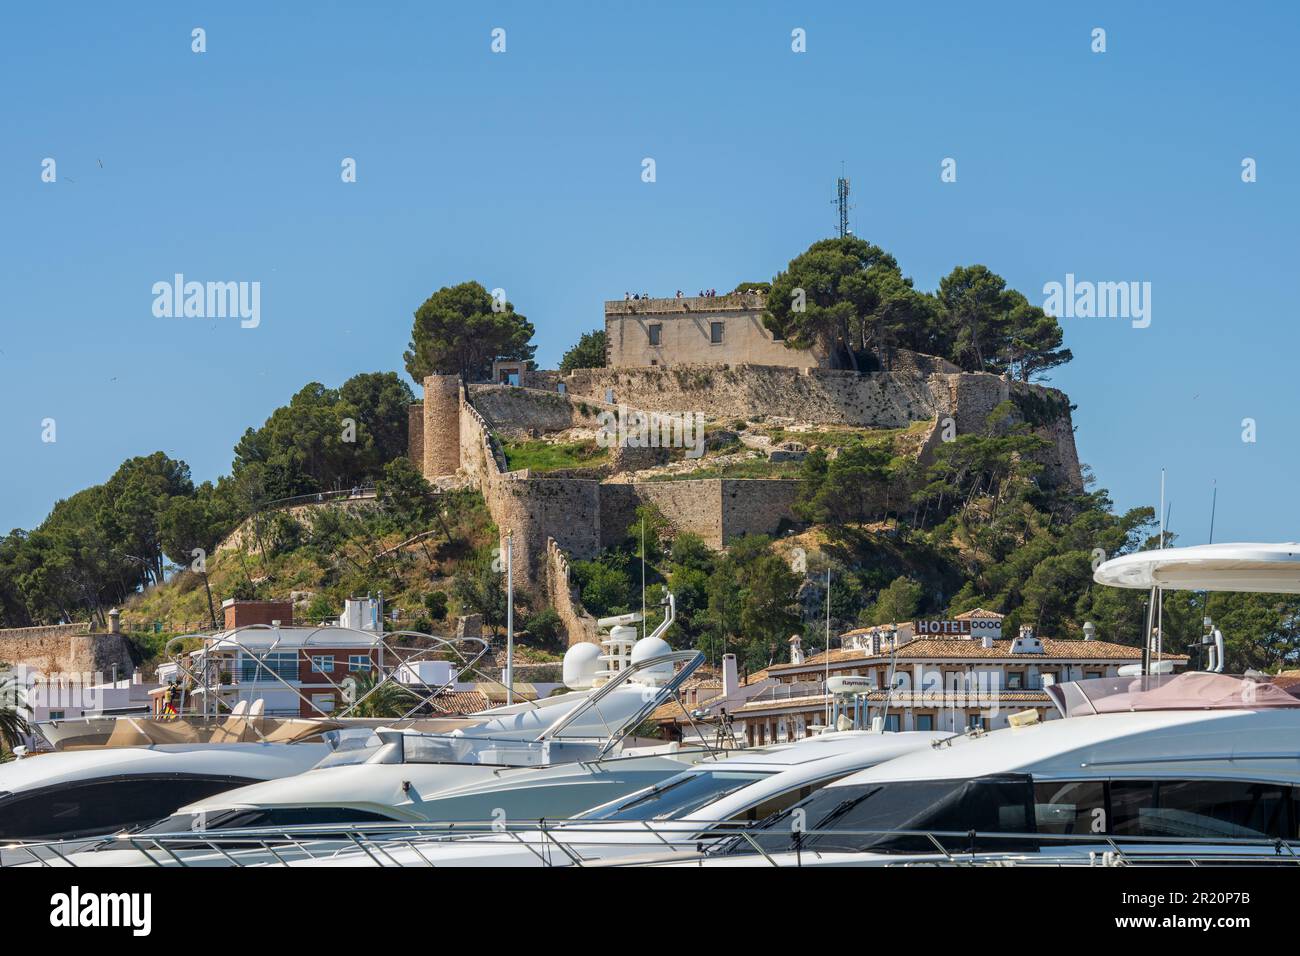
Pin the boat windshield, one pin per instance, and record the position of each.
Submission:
(860, 819)
(675, 798)
(239, 818)
(1194, 690)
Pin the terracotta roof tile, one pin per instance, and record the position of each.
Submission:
(460, 702)
(980, 613)
(907, 699)
(968, 649)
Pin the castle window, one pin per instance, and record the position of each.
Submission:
(656, 334)
(715, 333)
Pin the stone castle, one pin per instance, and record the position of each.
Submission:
(707, 354)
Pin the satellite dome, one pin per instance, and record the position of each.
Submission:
(581, 661)
(648, 648)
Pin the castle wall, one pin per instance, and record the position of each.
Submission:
(538, 509)
(582, 515)
(755, 505)
(830, 396)
(415, 435)
(578, 624)
(66, 648)
(822, 396)
(694, 506)
(476, 454)
(717, 510)
(524, 412)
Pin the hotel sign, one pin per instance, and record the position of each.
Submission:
(971, 628)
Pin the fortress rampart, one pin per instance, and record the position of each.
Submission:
(578, 624)
(552, 515)
(65, 648)
(834, 397)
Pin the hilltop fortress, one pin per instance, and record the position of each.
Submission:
(709, 355)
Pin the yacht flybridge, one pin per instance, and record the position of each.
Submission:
(1246, 568)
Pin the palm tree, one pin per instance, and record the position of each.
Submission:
(389, 700)
(13, 726)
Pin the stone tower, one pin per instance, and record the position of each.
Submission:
(441, 425)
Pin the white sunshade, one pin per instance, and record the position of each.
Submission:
(1259, 568)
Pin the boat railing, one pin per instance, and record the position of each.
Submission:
(611, 842)
(590, 730)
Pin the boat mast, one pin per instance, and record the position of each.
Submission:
(510, 616)
(826, 683)
(1160, 592)
(643, 574)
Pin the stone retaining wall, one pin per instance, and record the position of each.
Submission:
(831, 396)
(66, 648)
(578, 624)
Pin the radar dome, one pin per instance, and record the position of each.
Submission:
(581, 662)
(624, 633)
(648, 648)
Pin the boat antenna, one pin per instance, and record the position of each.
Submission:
(1159, 591)
(1162, 509)
(826, 684)
(510, 616)
(889, 691)
(1214, 501)
(643, 574)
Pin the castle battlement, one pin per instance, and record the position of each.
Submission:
(744, 301)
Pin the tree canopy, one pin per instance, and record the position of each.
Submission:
(108, 541)
(460, 329)
(325, 438)
(588, 353)
(848, 300)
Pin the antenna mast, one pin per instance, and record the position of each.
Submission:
(842, 202)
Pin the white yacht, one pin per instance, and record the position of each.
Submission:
(143, 769)
(107, 773)
(521, 762)
(1151, 767)
(699, 805)
(124, 773)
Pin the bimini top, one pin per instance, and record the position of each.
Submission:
(1195, 690)
(1258, 568)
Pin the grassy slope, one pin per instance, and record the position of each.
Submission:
(541, 456)
(405, 577)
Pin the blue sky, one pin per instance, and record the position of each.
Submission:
(522, 170)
